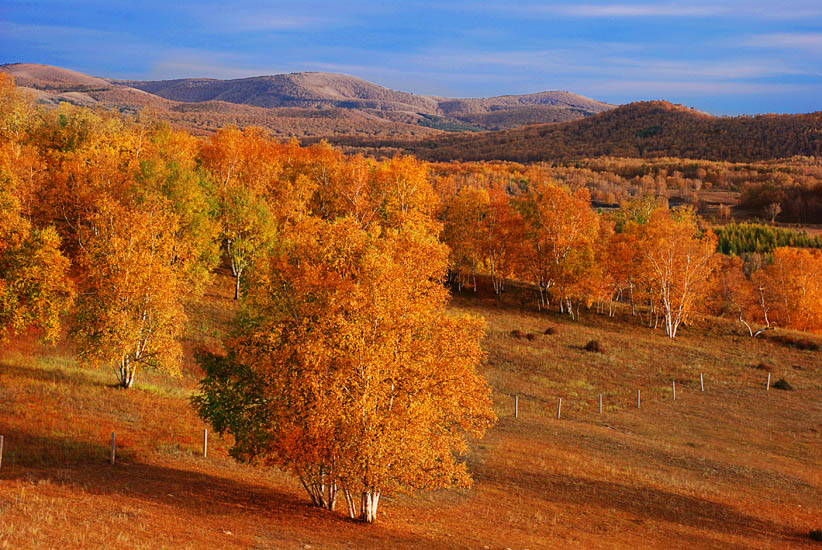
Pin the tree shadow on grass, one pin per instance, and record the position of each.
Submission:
(644, 502)
(195, 491)
(22, 450)
(49, 374)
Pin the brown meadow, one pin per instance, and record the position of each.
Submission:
(733, 467)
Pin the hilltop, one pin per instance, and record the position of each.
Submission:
(365, 117)
(650, 129)
(302, 104)
(327, 90)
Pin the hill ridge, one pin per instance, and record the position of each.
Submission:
(645, 129)
(303, 104)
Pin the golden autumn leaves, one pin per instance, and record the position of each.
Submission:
(345, 367)
(134, 222)
(551, 237)
(34, 288)
(365, 384)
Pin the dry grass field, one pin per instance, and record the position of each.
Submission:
(733, 467)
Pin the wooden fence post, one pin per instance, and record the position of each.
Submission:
(673, 389)
(701, 383)
(768, 384)
(112, 447)
(205, 442)
(600, 403)
(559, 408)
(516, 406)
(638, 398)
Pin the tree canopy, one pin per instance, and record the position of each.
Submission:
(362, 381)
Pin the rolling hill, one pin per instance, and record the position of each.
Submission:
(302, 104)
(362, 116)
(645, 129)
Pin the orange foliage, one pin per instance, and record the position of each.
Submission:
(365, 383)
(795, 284)
(130, 313)
(678, 262)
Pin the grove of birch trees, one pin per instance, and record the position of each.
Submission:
(344, 366)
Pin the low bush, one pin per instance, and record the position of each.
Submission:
(796, 342)
(594, 346)
(782, 384)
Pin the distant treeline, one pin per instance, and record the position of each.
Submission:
(735, 239)
(800, 203)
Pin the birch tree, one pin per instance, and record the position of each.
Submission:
(347, 371)
(560, 229)
(130, 312)
(679, 259)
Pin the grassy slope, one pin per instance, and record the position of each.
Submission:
(733, 467)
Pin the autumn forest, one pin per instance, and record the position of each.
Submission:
(344, 362)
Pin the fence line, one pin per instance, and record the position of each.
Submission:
(638, 396)
(113, 450)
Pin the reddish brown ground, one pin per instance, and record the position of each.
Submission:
(733, 467)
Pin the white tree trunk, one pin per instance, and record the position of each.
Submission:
(368, 507)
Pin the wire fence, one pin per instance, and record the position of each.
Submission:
(100, 445)
(601, 400)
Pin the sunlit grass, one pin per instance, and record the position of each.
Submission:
(731, 467)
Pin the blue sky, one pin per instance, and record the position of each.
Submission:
(722, 57)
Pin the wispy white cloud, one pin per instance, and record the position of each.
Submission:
(797, 9)
(271, 22)
(637, 10)
(51, 34)
(811, 42)
(245, 21)
(668, 88)
(711, 69)
(608, 60)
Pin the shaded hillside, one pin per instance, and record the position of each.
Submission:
(646, 129)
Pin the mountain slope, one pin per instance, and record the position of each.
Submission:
(645, 129)
(301, 104)
(45, 77)
(304, 90)
(326, 90)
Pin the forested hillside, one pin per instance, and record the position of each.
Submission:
(646, 130)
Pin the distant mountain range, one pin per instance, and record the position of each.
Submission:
(361, 116)
(303, 104)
